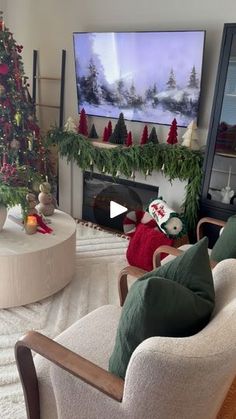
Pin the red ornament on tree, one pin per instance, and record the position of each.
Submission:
(172, 136)
(144, 137)
(109, 129)
(83, 126)
(4, 69)
(105, 136)
(129, 140)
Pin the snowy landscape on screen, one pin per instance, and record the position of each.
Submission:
(149, 76)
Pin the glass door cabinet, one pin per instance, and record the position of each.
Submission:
(218, 198)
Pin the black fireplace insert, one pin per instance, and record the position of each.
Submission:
(99, 190)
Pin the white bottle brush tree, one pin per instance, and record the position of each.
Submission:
(190, 138)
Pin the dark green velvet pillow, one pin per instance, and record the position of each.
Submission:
(176, 299)
(225, 246)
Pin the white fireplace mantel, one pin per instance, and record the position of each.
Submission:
(71, 188)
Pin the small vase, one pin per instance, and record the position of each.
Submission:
(3, 215)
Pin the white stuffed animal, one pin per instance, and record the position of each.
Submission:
(167, 219)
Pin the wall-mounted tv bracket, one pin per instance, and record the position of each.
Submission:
(62, 84)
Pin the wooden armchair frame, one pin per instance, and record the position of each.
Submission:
(75, 364)
(109, 384)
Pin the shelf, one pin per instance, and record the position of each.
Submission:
(226, 153)
(230, 94)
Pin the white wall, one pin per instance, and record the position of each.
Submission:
(47, 26)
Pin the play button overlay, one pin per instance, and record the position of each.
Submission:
(112, 202)
(116, 209)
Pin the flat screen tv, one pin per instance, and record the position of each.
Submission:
(151, 77)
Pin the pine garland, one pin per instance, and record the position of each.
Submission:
(175, 161)
(13, 195)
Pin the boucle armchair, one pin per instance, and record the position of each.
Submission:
(179, 378)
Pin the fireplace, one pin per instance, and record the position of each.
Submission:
(99, 190)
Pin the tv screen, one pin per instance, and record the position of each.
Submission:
(149, 76)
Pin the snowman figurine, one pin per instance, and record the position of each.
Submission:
(46, 205)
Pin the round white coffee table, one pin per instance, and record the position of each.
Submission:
(33, 267)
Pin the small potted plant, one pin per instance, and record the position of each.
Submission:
(11, 191)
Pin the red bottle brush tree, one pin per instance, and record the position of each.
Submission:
(109, 129)
(83, 124)
(173, 135)
(129, 139)
(105, 136)
(144, 138)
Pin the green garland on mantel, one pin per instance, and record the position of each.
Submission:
(179, 163)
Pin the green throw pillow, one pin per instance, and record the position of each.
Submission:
(176, 300)
(225, 246)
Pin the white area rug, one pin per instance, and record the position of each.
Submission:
(99, 257)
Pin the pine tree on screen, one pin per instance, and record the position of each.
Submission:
(171, 83)
(193, 81)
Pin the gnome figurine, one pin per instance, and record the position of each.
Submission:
(46, 201)
(31, 204)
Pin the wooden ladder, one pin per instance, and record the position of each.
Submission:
(38, 77)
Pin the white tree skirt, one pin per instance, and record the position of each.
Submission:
(99, 258)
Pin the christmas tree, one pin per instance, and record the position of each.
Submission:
(172, 136)
(190, 137)
(153, 136)
(119, 134)
(144, 138)
(109, 129)
(83, 124)
(93, 132)
(105, 137)
(21, 149)
(70, 125)
(129, 139)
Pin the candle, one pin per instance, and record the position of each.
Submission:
(228, 184)
(31, 224)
